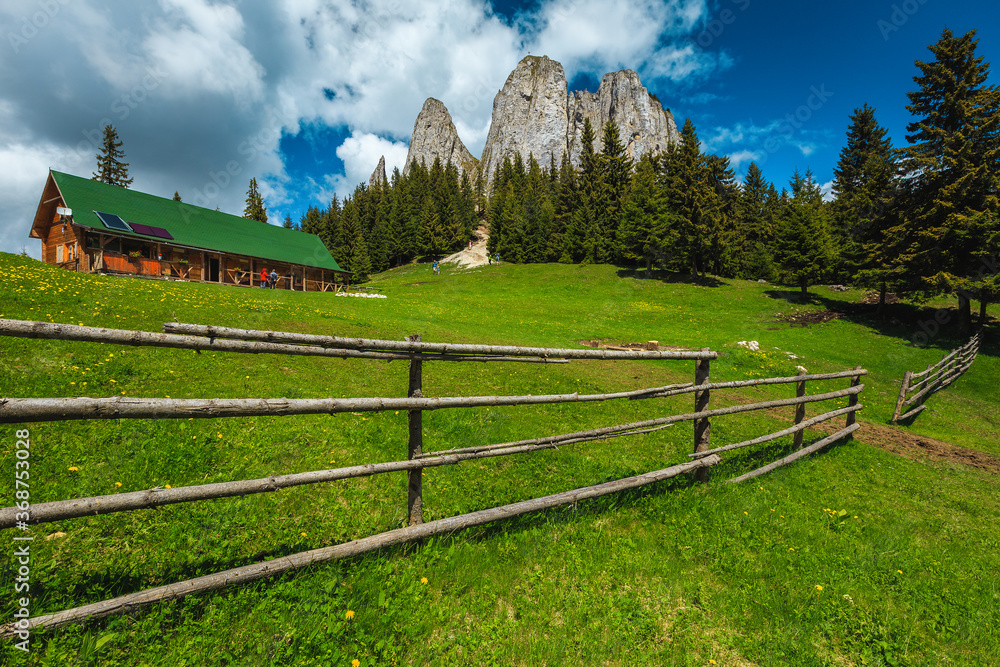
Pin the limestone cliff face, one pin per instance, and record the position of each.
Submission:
(529, 115)
(435, 136)
(378, 176)
(533, 114)
(643, 124)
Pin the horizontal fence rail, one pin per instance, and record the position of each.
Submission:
(935, 378)
(415, 352)
(72, 332)
(416, 346)
(364, 545)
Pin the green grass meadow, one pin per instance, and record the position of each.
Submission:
(854, 556)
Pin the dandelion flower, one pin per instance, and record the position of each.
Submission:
(899, 572)
(349, 615)
(303, 534)
(73, 468)
(166, 486)
(423, 580)
(818, 587)
(355, 663)
(118, 483)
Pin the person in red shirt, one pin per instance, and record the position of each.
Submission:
(263, 277)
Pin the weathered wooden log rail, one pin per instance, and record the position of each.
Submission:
(935, 378)
(415, 351)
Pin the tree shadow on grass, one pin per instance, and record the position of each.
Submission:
(923, 326)
(671, 277)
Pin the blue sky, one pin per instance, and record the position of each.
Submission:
(305, 95)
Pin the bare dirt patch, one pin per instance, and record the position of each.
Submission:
(871, 298)
(628, 347)
(918, 447)
(814, 317)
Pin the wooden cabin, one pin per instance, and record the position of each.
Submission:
(109, 229)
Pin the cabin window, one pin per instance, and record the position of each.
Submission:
(59, 254)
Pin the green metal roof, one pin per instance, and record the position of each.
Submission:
(191, 226)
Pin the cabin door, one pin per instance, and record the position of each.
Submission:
(213, 269)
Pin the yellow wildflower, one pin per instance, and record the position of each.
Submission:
(423, 580)
(73, 468)
(355, 663)
(818, 587)
(349, 615)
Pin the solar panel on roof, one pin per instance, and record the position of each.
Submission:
(142, 229)
(161, 232)
(112, 221)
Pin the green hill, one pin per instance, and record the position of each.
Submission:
(855, 556)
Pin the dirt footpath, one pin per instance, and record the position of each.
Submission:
(468, 258)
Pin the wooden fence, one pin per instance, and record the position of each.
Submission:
(188, 336)
(934, 378)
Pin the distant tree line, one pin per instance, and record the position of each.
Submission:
(429, 212)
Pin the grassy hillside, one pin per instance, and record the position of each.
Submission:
(770, 573)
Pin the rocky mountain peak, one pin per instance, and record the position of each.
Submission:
(435, 136)
(378, 178)
(644, 126)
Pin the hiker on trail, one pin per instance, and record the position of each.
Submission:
(489, 258)
(273, 279)
(470, 244)
(263, 277)
(437, 271)
(498, 259)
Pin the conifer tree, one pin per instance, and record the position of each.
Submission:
(616, 172)
(288, 224)
(954, 165)
(567, 200)
(584, 239)
(754, 227)
(865, 183)
(644, 232)
(177, 196)
(110, 166)
(254, 209)
(803, 249)
(691, 196)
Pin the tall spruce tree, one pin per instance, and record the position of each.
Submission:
(254, 209)
(754, 227)
(865, 184)
(691, 196)
(803, 249)
(616, 173)
(953, 163)
(644, 231)
(111, 168)
(177, 196)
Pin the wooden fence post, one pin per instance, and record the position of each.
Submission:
(852, 401)
(415, 484)
(702, 427)
(800, 409)
(902, 396)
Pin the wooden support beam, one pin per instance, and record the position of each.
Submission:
(800, 409)
(415, 484)
(702, 426)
